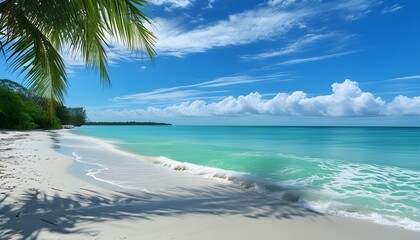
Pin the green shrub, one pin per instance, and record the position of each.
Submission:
(77, 116)
(63, 114)
(16, 113)
(25, 122)
(11, 108)
(38, 115)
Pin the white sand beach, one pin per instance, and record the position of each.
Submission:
(40, 199)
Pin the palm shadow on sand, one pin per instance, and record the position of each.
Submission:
(36, 211)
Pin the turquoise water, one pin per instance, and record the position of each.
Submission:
(369, 173)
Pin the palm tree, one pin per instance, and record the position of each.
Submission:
(33, 33)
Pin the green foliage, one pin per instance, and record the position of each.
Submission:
(38, 115)
(33, 32)
(63, 114)
(17, 113)
(11, 106)
(71, 116)
(77, 116)
(25, 122)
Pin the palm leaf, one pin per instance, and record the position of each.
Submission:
(34, 32)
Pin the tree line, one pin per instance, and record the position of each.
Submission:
(130, 123)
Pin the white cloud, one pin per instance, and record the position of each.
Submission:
(402, 105)
(346, 100)
(317, 58)
(391, 9)
(172, 3)
(238, 29)
(266, 22)
(174, 38)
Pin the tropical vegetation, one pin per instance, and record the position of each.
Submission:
(34, 34)
(21, 110)
(19, 113)
(75, 116)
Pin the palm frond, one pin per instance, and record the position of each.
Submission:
(35, 31)
(32, 54)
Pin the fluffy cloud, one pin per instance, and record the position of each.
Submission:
(346, 100)
(402, 105)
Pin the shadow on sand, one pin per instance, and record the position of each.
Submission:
(35, 211)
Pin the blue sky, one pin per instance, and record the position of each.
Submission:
(276, 62)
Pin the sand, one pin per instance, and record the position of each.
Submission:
(40, 199)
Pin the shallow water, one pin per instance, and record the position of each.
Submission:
(369, 173)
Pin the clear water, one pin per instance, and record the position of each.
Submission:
(369, 173)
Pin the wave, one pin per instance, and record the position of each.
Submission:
(339, 209)
(246, 180)
(298, 192)
(94, 172)
(345, 181)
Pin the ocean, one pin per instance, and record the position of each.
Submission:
(371, 173)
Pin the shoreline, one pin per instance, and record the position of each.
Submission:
(248, 181)
(40, 199)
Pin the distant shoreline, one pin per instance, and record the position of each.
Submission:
(128, 123)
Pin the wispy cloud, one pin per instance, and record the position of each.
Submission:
(165, 96)
(241, 79)
(242, 28)
(354, 9)
(293, 47)
(392, 8)
(173, 3)
(268, 22)
(281, 3)
(186, 92)
(394, 79)
(406, 78)
(317, 58)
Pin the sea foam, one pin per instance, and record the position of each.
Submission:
(345, 181)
